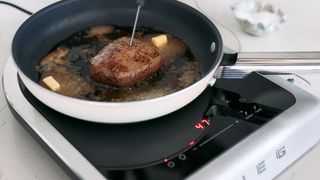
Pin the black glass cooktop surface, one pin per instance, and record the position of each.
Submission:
(175, 145)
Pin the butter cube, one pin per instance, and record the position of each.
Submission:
(51, 83)
(160, 40)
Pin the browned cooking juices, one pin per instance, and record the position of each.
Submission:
(68, 62)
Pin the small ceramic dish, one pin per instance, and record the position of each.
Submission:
(257, 18)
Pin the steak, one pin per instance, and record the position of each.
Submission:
(119, 64)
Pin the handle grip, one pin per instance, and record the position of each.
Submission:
(270, 62)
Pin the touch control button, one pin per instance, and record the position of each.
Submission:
(182, 157)
(171, 164)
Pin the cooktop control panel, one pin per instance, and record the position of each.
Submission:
(233, 114)
(218, 119)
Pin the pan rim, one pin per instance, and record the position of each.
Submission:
(211, 71)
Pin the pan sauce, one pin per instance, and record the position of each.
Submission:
(68, 64)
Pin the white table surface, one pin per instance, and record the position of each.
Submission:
(22, 158)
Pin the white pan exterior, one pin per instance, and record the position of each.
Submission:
(119, 112)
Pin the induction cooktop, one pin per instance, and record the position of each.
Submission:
(250, 128)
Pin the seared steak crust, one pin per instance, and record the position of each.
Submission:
(119, 64)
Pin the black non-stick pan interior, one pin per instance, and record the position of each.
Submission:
(42, 31)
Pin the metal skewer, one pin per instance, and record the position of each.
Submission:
(140, 3)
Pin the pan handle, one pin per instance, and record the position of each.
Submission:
(238, 65)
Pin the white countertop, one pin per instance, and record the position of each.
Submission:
(22, 158)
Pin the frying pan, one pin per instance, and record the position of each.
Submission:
(46, 28)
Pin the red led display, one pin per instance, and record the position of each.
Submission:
(202, 124)
(199, 126)
(206, 122)
(191, 143)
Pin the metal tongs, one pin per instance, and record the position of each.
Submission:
(140, 3)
